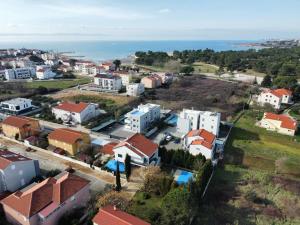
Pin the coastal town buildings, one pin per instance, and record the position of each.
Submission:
(135, 89)
(69, 140)
(200, 142)
(282, 124)
(126, 77)
(275, 97)
(193, 120)
(16, 171)
(16, 106)
(152, 81)
(140, 119)
(75, 112)
(20, 127)
(46, 202)
(112, 215)
(19, 73)
(44, 73)
(108, 66)
(142, 151)
(108, 82)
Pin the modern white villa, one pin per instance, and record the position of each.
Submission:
(275, 97)
(193, 120)
(16, 106)
(140, 119)
(108, 82)
(135, 89)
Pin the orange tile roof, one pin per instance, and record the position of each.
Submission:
(72, 107)
(112, 216)
(17, 121)
(108, 148)
(139, 144)
(7, 157)
(206, 138)
(33, 199)
(281, 92)
(66, 135)
(286, 121)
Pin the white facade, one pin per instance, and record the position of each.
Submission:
(18, 173)
(108, 82)
(194, 120)
(275, 98)
(19, 73)
(16, 106)
(135, 89)
(44, 73)
(126, 78)
(67, 115)
(140, 119)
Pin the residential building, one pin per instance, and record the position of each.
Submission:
(16, 171)
(108, 82)
(139, 120)
(200, 142)
(71, 141)
(19, 73)
(80, 65)
(126, 77)
(75, 112)
(46, 202)
(111, 215)
(275, 97)
(282, 124)
(166, 78)
(142, 151)
(108, 66)
(152, 81)
(194, 120)
(16, 106)
(44, 73)
(20, 127)
(135, 89)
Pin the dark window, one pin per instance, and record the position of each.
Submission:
(120, 155)
(17, 107)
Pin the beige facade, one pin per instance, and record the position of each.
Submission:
(275, 125)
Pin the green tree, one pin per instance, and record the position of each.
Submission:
(127, 166)
(117, 63)
(285, 82)
(187, 70)
(118, 178)
(267, 81)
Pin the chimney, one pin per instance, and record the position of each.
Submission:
(115, 208)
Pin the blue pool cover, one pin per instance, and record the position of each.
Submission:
(112, 165)
(184, 177)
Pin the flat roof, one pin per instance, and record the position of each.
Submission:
(17, 101)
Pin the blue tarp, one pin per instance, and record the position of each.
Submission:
(112, 165)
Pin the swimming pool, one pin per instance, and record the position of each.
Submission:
(112, 165)
(183, 177)
(172, 120)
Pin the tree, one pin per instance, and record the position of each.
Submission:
(187, 70)
(267, 81)
(118, 199)
(118, 178)
(285, 82)
(117, 63)
(127, 166)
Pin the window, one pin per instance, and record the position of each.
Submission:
(17, 107)
(120, 155)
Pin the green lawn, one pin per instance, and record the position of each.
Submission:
(204, 67)
(254, 73)
(60, 84)
(295, 112)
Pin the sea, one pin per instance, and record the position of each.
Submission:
(108, 50)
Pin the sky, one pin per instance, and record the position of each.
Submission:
(149, 19)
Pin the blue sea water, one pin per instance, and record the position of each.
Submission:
(105, 50)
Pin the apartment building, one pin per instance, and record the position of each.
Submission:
(139, 120)
(152, 81)
(108, 82)
(16, 106)
(19, 73)
(275, 97)
(194, 120)
(44, 72)
(135, 89)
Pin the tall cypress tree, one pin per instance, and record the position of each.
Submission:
(128, 166)
(118, 178)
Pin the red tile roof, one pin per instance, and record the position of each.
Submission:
(113, 216)
(72, 107)
(281, 92)
(36, 197)
(17, 121)
(66, 135)
(7, 157)
(139, 144)
(286, 121)
(108, 148)
(206, 138)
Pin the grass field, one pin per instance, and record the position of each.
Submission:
(204, 67)
(59, 84)
(254, 73)
(260, 182)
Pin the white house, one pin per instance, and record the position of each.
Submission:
(200, 142)
(108, 82)
(19, 73)
(44, 73)
(135, 89)
(193, 120)
(80, 65)
(126, 77)
(275, 97)
(142, 151)
(75, 112)
(282, 124)
(16, 171)
(108, 66)
(16, 106)
(141, 118)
